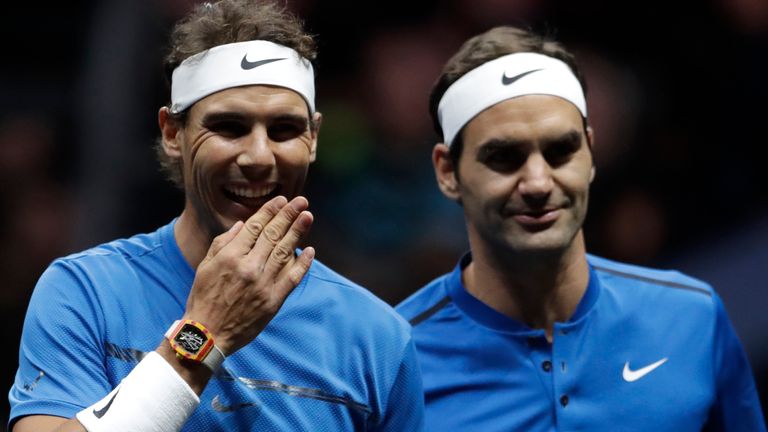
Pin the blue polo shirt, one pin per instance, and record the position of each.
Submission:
(334, 358)
(645, 350)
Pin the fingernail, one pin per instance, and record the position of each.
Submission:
(298, 204)
(305, 219)
(309, 251)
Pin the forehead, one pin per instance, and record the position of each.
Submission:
(255, 100)
(523, 118)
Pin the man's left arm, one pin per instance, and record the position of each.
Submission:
(404, 411)
(737, 405)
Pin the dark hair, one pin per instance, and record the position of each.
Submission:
(224, 22)
(494, 43)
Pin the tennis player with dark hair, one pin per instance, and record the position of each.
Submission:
(529, 332)
(213, 322)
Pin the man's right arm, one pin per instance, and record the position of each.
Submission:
(239, 287)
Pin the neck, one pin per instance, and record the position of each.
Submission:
(537, 289)
(192, 237)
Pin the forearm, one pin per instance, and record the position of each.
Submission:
(42, 423)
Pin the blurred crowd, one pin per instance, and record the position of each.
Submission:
(676, 95)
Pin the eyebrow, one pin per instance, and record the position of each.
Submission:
(218, 116)
(570, 136)
(292, 118)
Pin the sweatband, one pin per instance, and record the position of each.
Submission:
(152, 398)
(504, 78)
(240, 64)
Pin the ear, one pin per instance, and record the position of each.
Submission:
(445, 172)
(591, 144)
(317, 120)
(170, 132)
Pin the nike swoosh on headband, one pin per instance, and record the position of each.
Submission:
(100, 413)
(509, 80)
(246, 65)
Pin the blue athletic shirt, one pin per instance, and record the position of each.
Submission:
(335, 358)
(646, 350)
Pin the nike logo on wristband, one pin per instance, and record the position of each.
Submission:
(100, 413)
(509, 80)
(246, 65)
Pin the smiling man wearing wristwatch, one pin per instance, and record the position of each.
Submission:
(213, 322)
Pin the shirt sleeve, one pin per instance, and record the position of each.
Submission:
(737, 406)
(405, 406)
(61, 359)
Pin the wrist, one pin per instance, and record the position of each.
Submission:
(191, 341)
(195, 374)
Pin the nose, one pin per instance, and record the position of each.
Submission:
(536, 181)
(256, 150)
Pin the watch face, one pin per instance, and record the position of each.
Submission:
(191, 338)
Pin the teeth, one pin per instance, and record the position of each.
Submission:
(250, 192)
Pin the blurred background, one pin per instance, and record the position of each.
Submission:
(677, 96)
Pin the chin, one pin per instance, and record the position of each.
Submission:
(218, 225)
(539, 243)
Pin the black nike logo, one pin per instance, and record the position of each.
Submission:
(246, 65)
(218, 406)
(100, 413)
(509, 80)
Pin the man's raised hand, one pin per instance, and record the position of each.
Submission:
(249, 271)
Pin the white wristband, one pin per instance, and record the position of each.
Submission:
(152, 398)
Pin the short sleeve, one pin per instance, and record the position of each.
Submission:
(404, 411)
(737, 406)
(61, 359)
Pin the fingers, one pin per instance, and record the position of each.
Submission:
(274, 232)
(283, 252)
(246, 238)
(295, 273)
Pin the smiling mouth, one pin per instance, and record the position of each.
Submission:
(537, 213)
(250, 196)
(537, 220)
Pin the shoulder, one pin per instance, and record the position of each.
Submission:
(635, 275)
(116, 250)
(339, 296)
(658, 291)
(103, 265)
(426, 301)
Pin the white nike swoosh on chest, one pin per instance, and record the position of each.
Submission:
(630, 375)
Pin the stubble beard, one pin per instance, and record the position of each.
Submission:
(206, 218)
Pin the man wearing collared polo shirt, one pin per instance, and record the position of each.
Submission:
(529, 332)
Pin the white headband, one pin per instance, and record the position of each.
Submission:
(504, 78)
(239, 64)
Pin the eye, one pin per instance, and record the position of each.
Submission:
(229, 128)
(503, 159)
(285, 130)
(560, 152)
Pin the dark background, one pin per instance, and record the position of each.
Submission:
(677, 97)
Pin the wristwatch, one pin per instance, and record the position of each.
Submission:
(192, 341)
